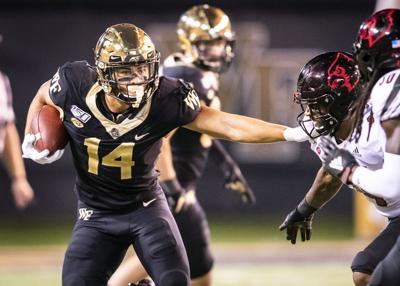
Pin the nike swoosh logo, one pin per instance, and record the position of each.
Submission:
(146, 204)
(138, 137)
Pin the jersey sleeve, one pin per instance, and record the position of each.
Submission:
(391, 109)
(188, 104)
(67, 82)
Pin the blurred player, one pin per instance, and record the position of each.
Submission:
(116, 114)
(206, 52)
(10, 149)
(371, 161)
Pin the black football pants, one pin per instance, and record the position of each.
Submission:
(100, 240)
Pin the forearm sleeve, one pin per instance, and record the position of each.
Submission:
(220, 156)
(384, 182)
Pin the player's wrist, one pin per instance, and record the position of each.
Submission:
(172, 187)
(305, 209)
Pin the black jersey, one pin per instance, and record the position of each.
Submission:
(190, 149)
(115, 161)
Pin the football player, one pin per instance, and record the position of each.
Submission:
(205, 53)
(116, 114)
(370, 162)
(10, 151)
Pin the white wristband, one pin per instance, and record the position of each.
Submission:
(295, 134)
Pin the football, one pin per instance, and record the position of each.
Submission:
(53, 134)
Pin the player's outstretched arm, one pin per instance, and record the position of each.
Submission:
(234, 179)
(240, 128)
(324, 188)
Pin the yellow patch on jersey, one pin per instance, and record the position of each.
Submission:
(76, 122)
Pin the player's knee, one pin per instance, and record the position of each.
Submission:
(175, 278)
(360, 279)
(363, 262)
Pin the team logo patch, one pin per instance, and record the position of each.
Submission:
(114, 133)
(76, 122)
(192, 100)
(85, 214)
(80, 114)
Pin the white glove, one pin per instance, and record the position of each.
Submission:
(29, 151)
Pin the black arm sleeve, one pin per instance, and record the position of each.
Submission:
(220, 156)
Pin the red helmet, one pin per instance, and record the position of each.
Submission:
(377, 48)
(327, 85)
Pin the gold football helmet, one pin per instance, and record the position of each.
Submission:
(127, 64)
(201, 30)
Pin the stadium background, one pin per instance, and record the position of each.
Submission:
(275, 38)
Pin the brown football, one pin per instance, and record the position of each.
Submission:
(53, 134)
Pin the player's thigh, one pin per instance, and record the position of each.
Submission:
(193, 226)
(159, 245)
(387, 273)
(366, 260)
(92, 256)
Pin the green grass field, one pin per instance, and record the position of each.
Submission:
(225, 275)
(248, 252)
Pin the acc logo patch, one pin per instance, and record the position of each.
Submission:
(76, 122)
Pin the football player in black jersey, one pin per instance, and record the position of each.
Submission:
(116, 115)
(205, 54)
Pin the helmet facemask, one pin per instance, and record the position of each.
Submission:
(214, 55)
(317, 115)
(131, 83)
(127, 64)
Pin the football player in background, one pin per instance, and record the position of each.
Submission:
(116, 115)
(373, 167)
(206, 41)
(10, 150)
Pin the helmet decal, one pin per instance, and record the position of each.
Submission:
(370, 25)
(338, 75)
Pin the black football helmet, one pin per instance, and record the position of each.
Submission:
(377, 47)
(327, 86)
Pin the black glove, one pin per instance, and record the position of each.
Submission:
(338, 162)
(175, 195)
(234, 180)
(237, 183)
(300, 218)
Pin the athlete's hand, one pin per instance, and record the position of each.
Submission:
(177, 197)
(236, 182)
(299, 219)
(29, 151)
(338, 162)
(294, 222)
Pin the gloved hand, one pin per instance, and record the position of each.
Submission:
(175, 194)
(338, 162)
(29, 151)
(299, 218)
(237, 183)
